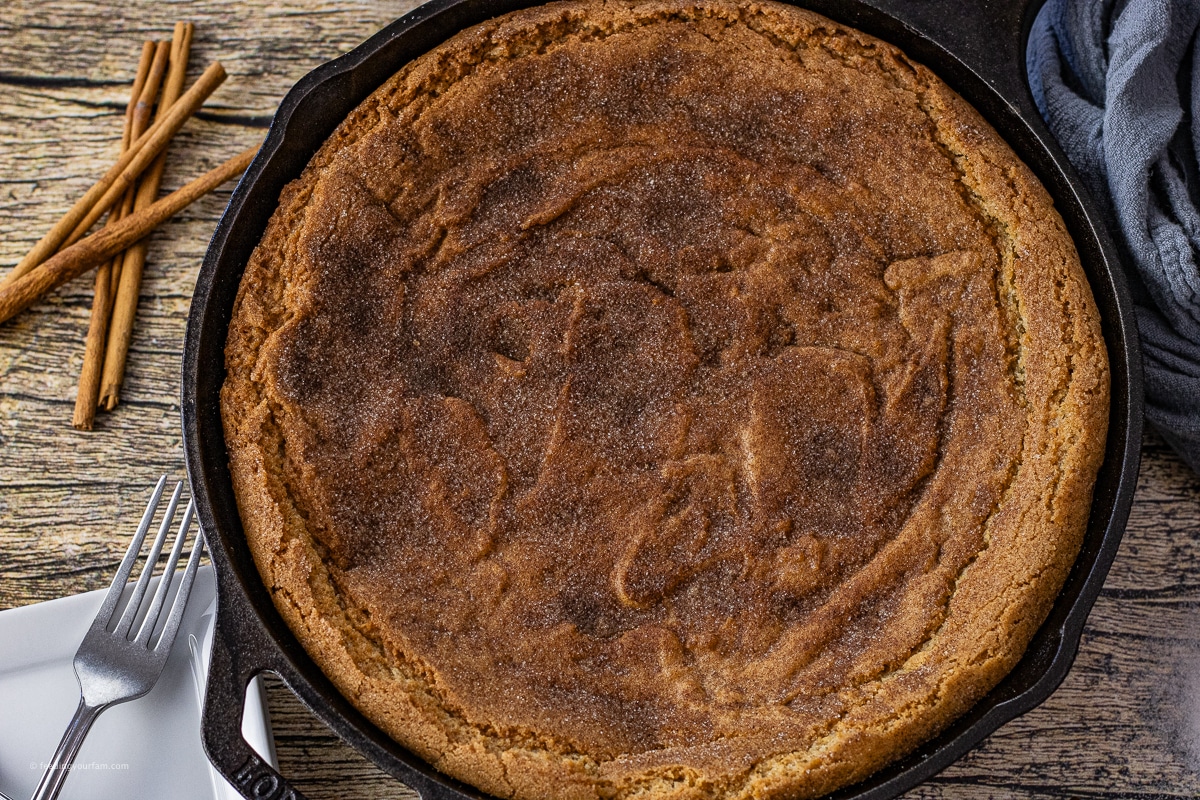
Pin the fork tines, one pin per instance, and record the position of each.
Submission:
(125, 626)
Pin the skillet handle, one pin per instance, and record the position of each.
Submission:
(229, 673)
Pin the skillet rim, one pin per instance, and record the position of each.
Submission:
(268, 644)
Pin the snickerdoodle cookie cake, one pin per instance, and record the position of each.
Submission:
(664, 399)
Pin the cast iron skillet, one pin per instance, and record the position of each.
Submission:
(977, 48)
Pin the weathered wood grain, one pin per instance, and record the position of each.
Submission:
(1125, 723)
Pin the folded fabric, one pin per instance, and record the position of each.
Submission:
(1117, 83)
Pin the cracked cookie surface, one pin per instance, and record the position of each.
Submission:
(672, 399)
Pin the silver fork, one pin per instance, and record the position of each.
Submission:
(118, 665)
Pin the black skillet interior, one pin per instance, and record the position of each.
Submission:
(977, 48)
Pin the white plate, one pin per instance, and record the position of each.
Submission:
(140, 749)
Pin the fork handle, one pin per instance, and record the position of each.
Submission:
(60, 765)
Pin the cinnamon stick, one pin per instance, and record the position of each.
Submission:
(143, 110)
(89, 376)
(126, 297)
(73, 261)
(143, 71)
(120, 211)
(149, 50)
(109, 189)
(214, 77)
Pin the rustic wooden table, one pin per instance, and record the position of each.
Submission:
(1126, 723)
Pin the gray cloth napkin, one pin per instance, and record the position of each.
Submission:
(1118, 82)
